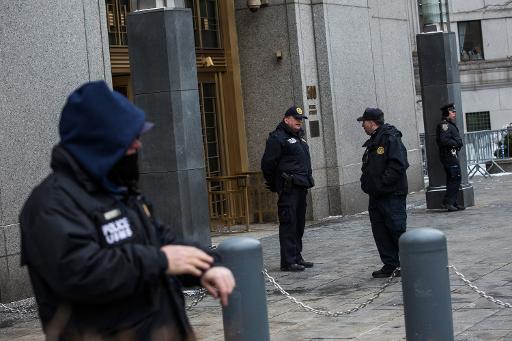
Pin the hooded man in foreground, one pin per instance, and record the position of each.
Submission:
(101, 265)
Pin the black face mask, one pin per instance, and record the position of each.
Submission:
(125, 172)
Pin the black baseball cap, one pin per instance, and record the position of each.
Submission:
(371, 114)
(296, 112)
(445, 109)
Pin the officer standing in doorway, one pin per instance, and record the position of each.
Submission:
(384, 179)
(450, 143)
(286, 166)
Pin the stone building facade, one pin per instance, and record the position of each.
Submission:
(333, 57)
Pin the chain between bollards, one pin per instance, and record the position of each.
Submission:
(478, 291)
(199, 295)
(326, 312)
(31, 307)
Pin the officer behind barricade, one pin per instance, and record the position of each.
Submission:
(286, 166)
(101, 265)
(450, 143)
(384, 179)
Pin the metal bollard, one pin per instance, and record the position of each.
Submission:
(426, 285)
(245, 317)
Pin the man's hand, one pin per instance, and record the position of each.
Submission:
(219, 282)
(186, 260)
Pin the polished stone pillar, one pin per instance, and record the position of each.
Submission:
(440, 84)
(164, 76)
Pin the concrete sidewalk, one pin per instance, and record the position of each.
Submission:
(479, 245)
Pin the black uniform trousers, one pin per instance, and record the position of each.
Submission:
(292, 218)
(388, 218)
(453, 180)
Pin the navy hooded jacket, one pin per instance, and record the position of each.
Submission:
(94, 255)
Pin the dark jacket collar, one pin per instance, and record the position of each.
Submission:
(385, 129)
(282, 125)
(63, 162)
(374, 136)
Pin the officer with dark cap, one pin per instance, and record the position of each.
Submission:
(449, 142)
(286, 166)
(384, 179)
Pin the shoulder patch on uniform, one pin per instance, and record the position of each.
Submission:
(292, 140)
(380, 150)
(444, 126)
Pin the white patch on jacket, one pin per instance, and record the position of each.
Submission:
(117, 230)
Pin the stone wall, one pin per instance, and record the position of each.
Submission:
(357, 53)
(46, 50)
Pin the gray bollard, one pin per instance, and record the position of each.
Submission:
(245, 317)
(426, 285)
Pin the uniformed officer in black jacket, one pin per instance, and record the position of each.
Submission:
(286, 166)
(449, 142)
(384, 179)
(101, 265)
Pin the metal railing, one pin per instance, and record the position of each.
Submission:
(239, 199)
(484, 150)
(228, 201)
(262, 202)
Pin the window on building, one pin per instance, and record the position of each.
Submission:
(210, 127)
(117, 13)
(470, 40)
(476, 121)
(206, 23)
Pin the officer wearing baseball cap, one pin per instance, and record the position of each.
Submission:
(286, 166)
(384, 179)
(450, 143)
(372, 114)
(295, 112)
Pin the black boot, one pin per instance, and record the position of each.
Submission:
(292, 267)
(305, 264)
(385, 271)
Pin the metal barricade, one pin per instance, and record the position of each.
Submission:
(483, 148)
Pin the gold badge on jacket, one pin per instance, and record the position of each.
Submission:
(380, 150)
(445, 126)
